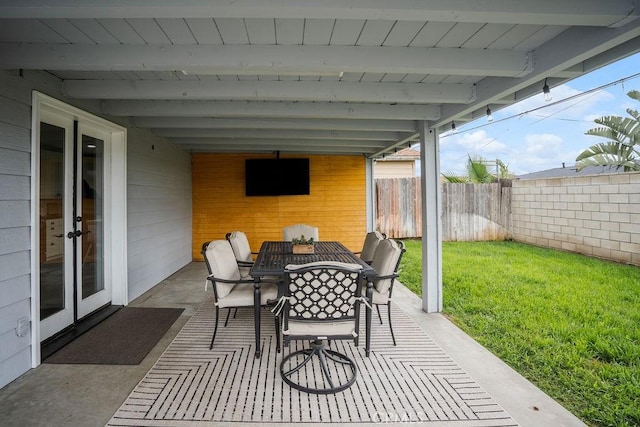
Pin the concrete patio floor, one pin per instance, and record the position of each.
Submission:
(90, 395)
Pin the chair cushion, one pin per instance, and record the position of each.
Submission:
(384, 263)
(242, 295)
(319, 329)
(371, 242)
(241, 249)
(337, 264)
(223, 264)
(377, 297)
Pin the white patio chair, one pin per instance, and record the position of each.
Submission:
(242, 251)
(386, 262)
(294, 231)
(230, 290)
(371, 242)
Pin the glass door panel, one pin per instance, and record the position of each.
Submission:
(94, 291)
(72, 191)
(92, 214)
(52, 290)
(56, 266)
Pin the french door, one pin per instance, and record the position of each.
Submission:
(74, 165)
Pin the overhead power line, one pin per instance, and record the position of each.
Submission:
(459, 129)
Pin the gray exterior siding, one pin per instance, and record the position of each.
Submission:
(159, 211)
(15, 268)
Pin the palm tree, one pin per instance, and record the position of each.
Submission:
(477, 173)
(622, 149)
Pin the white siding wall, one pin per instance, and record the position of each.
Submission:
(15, 239)
(389, 169)
(159, 211)
(15, 268)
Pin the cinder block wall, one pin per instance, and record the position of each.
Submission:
(596, 215)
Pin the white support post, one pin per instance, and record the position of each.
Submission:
(431, 220)
(370, 197)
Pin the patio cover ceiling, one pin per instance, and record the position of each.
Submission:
(327, 77)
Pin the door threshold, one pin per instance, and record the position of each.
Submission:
(64, 337)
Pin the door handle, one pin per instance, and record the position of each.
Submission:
(72, 234)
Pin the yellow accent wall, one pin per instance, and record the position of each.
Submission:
(336, 203)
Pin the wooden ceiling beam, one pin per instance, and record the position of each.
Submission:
(532, 12)
(266, 59)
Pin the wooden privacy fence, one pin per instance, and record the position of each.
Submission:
(398, 207)
(470, 212)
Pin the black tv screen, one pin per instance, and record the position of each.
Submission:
(276, 177)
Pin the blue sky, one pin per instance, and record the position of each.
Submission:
(546, 138)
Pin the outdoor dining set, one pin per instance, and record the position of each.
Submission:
(315, 295)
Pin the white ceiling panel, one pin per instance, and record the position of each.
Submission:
(86, 75)
(126, 75)
(261, 31)
(486, 36)
(431, 34)
(289, 31)
(149, 30)
(272, 78)
(121, 31)
(346, 32)
(337, 76)
(204, 30)
(147, 75)
(318, 31)
(28, 31)
(433, 78)
(232, 31)
(394, 78)
(539, 37)
(70, 33)
(95, 31)
(403, 33)
(228, 77)
(351, 77)
(176, 30)
(374, 33)
(372, 77)
(459, 34)
(414, 78)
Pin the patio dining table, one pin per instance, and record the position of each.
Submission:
(274, 256)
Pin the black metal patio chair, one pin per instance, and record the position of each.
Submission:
(230, 290)
(321, 304)
(386, 263)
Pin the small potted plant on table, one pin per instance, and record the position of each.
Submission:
(302, 245)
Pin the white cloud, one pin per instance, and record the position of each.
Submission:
(540, 152)
(591, 117)
(529, 153)
(543, 146)
(474, 142)
(455, 149)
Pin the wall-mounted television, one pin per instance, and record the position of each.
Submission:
(276, 177)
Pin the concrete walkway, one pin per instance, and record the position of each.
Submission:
(90, 395)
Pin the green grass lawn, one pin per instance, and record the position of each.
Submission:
(568, 323)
